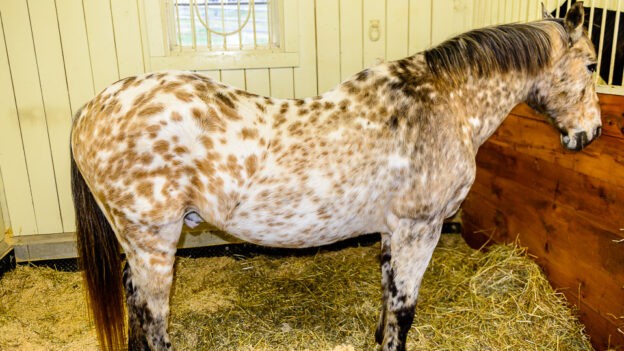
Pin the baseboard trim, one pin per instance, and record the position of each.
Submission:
(29, 248)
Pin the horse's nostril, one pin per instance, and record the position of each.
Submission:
(598, 132)
(581, 139)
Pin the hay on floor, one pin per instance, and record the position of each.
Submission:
(469, 300)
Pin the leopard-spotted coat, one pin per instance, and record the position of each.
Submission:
(391, 150)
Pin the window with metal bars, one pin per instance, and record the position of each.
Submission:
(224, 25)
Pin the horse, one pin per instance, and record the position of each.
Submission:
(390, 150)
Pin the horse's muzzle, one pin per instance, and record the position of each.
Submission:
(579, 140)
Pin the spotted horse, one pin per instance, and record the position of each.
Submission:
(390, 150)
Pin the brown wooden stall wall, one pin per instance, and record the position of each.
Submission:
(567, 208)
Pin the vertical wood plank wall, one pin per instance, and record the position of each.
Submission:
(57, 54)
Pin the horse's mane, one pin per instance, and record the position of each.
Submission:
(500, 49)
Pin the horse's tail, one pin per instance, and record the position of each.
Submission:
(99, 258)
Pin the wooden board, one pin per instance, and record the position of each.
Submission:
(567, 208)
(22, 61)
(47, 42)
(56, 246)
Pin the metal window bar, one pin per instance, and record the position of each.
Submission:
(227, 25)
(601, 42)
(614, 43)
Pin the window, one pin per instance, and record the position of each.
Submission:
(220, 34)
(224, 25)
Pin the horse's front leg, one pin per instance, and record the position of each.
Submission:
(148, 277)
(405, 255)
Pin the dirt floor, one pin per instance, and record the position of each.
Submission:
(328, 300)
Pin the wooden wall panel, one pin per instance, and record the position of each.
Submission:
(32, 117)
(257, 81)
(419, 33)
(566, 207)
(305, 75)
(450, 18)
(397, 29)
(128, 45)
(234, 77)
(351, 38)
(75, 52)
(327, 44)
(12, 162)
(47, 42)
(282, 84)
(99, 22)
(374, 39)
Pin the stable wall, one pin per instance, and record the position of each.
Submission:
(56, 55)
(567, 208)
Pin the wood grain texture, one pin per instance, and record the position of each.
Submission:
(566, 208)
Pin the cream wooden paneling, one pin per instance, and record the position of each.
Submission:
(12, 160)
(32, 116)
(282, 84)
(129, 48)
(305, 75)
(327, 44)
(71, 22)
(257, 81)
(450, 18)
(374, 49)
(397, 29)
(351, 39)
(47, 41)
(419, 34)
(234, 77)
(99, 21)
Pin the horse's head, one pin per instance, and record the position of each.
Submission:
(565, 92)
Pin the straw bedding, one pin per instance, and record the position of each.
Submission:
(328, 300)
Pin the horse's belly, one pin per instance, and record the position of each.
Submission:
(301, 224)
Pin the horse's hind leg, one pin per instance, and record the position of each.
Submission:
(148, 276)
(386, 277)
(411, 245)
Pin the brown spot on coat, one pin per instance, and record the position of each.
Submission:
(184, 96)
(251, 165)
(249, 133)
(161, 147)
(151, 110)
(226, 100)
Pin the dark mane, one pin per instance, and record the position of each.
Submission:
(512, 47)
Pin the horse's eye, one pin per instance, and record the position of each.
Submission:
(591, 67)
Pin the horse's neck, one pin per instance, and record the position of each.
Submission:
(488, 102)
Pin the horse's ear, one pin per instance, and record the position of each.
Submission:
(545, 13)
(574, 21)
